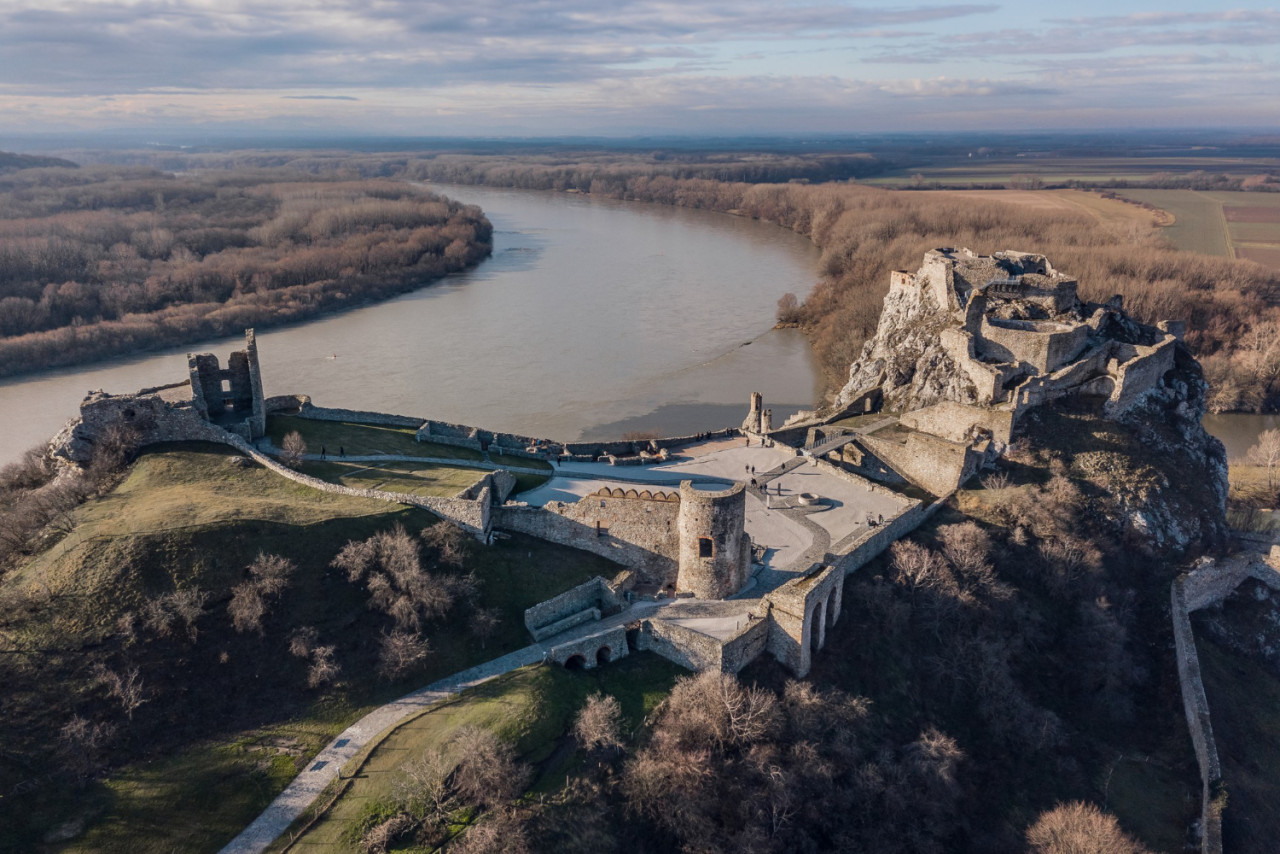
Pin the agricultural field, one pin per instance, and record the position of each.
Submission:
(1104, 210)
(1232, 224)
(1050, 169)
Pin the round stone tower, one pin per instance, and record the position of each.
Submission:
(715, 551)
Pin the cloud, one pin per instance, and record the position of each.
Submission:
(320, 97)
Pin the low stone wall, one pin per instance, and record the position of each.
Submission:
(595, 594)
(358, 416)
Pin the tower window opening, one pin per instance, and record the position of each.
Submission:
(706, 547)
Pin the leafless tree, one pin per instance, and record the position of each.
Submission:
(302, 640)
(484, 624)
(126, 687)
(488, 774)
(448, 541)
(391, 565)
(158, 616)
(247, 607)
(598, 723)
(187, 604)
(268, 578)
(399, 651)
(379, 838)
(82, 742)
(1266, 453)
(323, 668)
(968, 548)
(271, 573)
(1080, 828)
(715, 709)
(422, 784)
(500, 832)
(292, 449)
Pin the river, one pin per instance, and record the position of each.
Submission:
(594, 318)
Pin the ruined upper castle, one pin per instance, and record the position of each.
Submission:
(1004, 333)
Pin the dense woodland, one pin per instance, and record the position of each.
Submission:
(108, 260)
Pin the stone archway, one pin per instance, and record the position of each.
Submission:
(577, 661)
(604, 655)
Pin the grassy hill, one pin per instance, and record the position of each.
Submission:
(229, 716)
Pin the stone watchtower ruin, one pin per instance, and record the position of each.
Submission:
(715, 551)
(230, 397)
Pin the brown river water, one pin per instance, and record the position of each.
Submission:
(594, 318)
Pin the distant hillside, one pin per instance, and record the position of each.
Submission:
(10, 162)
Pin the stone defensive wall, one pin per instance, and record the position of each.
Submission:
(1140, 372)
(957, 422)
(799, 614)
(149, 417)
(1203, 588)
(927, 461)
(1043, 344)
(874, 542)
(596, 598)
(641, 535)
(697, 651)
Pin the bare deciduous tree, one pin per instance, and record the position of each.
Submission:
(1266, 453)
(488, 774)
(247, 607)
(187, 605)
(271, 573)
(598, 723)
(1080, 828)
(379, 838)
(484, 624)
(293, 449)
(715, 709)
(268, 578)
(500, 832)
(126, 687)
(302, 640)
(422, 785)
(323, 668)
(391, 565)
(399, 651)
(158, 617)
(82, 742)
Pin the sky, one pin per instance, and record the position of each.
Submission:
(627, 67)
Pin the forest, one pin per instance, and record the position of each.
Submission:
(104, 261)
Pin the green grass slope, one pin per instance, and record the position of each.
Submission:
(229, 716)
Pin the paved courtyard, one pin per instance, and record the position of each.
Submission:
(774, 522)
